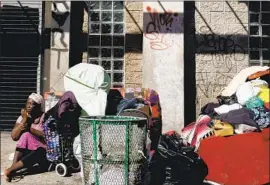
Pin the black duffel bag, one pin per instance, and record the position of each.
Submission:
(175, 164)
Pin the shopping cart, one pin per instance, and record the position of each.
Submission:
(59, 140)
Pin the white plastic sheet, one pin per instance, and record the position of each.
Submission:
(241, 78)
(223, 109)
(246, 91)
(90, 84)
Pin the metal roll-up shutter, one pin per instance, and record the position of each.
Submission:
(20, 60)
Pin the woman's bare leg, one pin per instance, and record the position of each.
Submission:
(16, 164)
(17, 156)
(14, 167)
(28, 160)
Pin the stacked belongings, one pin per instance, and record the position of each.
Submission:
(242, 108)
(151, 98)
(169, 160)
(145, 100)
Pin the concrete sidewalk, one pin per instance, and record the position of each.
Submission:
(49, 178)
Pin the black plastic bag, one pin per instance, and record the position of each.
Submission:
(228, 100)
(155, 132)
(175, 164)
(208, 109)
(114, 97)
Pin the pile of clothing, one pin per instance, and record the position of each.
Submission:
(232, 135)
(242, 107)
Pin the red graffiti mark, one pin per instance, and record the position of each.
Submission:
(159, 26)
(159, 46)
(156, 41)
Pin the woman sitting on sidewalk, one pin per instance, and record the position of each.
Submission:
(28, 132)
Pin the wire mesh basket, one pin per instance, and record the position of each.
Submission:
(113, 149)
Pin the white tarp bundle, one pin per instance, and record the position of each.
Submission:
(241, 78)
(90, 84)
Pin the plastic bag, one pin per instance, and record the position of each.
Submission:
(246, 91)
(77, 151)
(176, 164)
(228, 100)
(90, 84)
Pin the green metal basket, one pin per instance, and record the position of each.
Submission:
(113, 149)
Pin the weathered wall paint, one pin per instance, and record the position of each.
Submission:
(59, 44)
(163, 60)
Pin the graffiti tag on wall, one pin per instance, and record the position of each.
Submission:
(212, 84)
(160, 28)
(224, 44)
(219, 55)
(60, 18)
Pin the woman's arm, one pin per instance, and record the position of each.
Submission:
(37, 133)
(37, 130)
(17, 130)
(20, 126)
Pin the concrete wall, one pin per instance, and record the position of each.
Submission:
(47, 51)
(221, 30)
(60, 48)
(56, 59)
(85, 31)
(163, 59)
